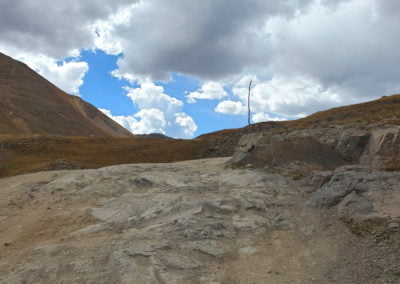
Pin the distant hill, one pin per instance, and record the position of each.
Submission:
(153, 135)
(29, 104)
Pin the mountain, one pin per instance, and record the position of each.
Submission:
(29, 104)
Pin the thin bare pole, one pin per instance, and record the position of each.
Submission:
(248, 105)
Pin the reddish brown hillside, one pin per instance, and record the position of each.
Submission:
(29, 104)
(384, 109)
(27, 153)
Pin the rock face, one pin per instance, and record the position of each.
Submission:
(383, 150)
(361, 193)
(148, 223)
(325, 147)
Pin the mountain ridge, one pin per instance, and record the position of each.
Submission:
(30, 104)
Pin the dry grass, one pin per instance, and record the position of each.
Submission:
(366, 227)
(393, 164)
(385, 109)
(32, 153)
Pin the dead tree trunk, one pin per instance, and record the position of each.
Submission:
(248, 106)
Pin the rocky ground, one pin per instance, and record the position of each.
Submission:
(200, 222)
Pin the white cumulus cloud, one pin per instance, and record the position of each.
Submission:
(208, 91)
(283, 97)
(68, 76)
(231, 107)
(158, 113)
(187, 123)
(262, 116)
(150, 95)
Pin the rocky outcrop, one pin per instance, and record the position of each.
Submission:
(328, 148)
(383, 150)
(149, 223)
(361, 194)
(193, 222)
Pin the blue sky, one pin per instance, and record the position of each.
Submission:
(105, 91)
(182, 67)
(100, 88)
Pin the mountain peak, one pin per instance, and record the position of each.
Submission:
(30, 104)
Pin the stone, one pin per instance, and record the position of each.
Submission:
(393, 226)
(319, 178)
(178, 261)
(352, 144)
(250, 222)
(140, 182)
(384, 149)
(209, 247)
(354, 204)
(248, 251)
(140, 250)
(360, 194)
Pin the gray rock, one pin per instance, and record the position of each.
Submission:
(208, 247)
(250, 223)
(355, 203)
(178, 261)
(140, 182)
(384, 149)
(320, 178)
(361, 193)
(248, 250)
(393, 226)
(140, 249)
(328, 147)
(262, 150)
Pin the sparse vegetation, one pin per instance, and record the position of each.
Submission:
(32, 153)
(367, 227)
(393, 164)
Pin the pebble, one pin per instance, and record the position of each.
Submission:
(393, 226)
(248, 250)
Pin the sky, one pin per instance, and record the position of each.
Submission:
(182, 67)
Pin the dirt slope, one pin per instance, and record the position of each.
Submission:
(29, 104)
